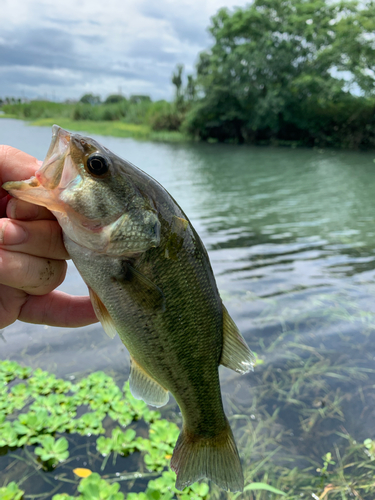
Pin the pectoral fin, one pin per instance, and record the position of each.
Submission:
(102, 314)
(143, 386)
(143, 290)
(235, 355)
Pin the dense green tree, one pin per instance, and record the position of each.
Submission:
(90, 99)
(355, 46)
(114, 98)
(276, 65)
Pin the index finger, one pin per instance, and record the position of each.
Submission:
(15, 165)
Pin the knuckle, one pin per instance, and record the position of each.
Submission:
(44, 276)
(52, 273)
(5, 150)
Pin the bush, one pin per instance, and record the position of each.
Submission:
(164, 116)
(104, 112)
(114, 99)
(38, 109)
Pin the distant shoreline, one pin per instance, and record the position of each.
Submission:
(110, 128)
(141, 132)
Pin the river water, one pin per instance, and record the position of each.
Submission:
(291, 238)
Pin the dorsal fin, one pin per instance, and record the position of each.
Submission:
(102, 314)
(143, 386)
(235, 355)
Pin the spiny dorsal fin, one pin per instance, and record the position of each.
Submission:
(102, 314)
(235, 355)
(142, 386)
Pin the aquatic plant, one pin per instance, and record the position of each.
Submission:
(299, 419)
(34, 414)
(11, 492)
(40, 416)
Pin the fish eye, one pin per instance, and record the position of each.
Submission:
(97, 165)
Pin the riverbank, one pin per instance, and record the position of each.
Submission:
(144, 132)
(109, 128)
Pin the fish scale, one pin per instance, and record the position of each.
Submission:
(150, 280)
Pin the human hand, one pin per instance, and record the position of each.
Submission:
(32, 257)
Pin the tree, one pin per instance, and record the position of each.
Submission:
(90, 99)
(357, 35)
(114, 99)
(190, 91)
(177, 82)
(135, 99)
(274, 62)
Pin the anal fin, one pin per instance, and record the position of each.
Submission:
(236, 354)
(143, 386)
(102, 314)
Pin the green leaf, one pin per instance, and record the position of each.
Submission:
(94, 487)
(11, 492)
(263, 486)
(200, 489)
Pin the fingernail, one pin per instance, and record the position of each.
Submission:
(14, 211)
(11, 208)
(11, 234)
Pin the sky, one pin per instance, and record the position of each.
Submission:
(64, 49)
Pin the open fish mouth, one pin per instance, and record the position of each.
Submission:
(40, 188)
(50, 173)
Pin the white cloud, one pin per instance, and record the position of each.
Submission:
(64, 49)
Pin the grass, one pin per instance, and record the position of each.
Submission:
(151, 121)
(113, 128)
(299, 419)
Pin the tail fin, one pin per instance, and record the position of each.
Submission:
(216, 458)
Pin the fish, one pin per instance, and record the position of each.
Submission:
(150, 280)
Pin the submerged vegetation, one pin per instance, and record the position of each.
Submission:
(296, 72)
(302, 421)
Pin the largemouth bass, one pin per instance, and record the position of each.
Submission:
(150, 280)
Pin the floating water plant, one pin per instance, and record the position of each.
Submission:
(11, 492)
(291, 421)
(41, 414)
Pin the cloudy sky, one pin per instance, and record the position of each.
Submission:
(63, 49)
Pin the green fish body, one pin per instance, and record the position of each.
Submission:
(150, 280)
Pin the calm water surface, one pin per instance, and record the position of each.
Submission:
(291, 237)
